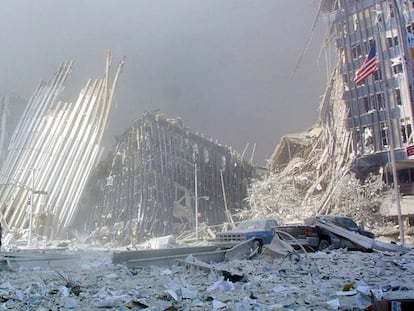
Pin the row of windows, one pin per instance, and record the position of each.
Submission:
(396, 69)
(367, 18)
(376, 101)
(361, 49)
(374, 16)
(375, 137)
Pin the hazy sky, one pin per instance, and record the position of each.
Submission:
(224, 66)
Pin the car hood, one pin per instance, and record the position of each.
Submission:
(239, 231)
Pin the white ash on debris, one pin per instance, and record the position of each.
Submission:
(278, 197)
(338, 280)
(314, 173)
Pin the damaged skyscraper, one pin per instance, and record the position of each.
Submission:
(51, 153)
(375, 44)
(162, 178)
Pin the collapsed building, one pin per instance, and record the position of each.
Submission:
(365, 123)
(162, 178)
(11, 109)
(52, 152)
(165, 179)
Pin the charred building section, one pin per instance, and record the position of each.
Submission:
(162, 175)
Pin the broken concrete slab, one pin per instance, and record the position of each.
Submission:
(243, 250)
(17, 260)
(278, 248)
(124, 256)
(358, 239)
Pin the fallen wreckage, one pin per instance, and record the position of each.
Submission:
(52, 153)
(205, 277)
(213, 253)
(229, 267)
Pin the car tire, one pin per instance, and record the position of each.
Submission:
(323, 245)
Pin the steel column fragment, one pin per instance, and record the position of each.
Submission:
(60, 140)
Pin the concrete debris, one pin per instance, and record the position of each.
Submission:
(242, 250)
(343, 280)
(278, 248)
(312, 173)
(18, 260)
(358, 239)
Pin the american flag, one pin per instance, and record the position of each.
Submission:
(370, 65)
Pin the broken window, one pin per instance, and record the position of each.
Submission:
(345, 81)
(410, 28)
(392, 41)
(366, 104)
(356, 51)
(380, 101)
(377, 76)
(368, 140)
(390, 11)
(355, 22)
(384, 134)
(397, 68)
(403, 134)
(377, 14)
(409, 131)
(396, 41)
(406, 131)
(397, 97)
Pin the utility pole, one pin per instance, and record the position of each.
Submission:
(195, 191)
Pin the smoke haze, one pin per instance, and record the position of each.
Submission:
(224, 66)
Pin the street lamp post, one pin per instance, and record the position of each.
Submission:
(29, 241)
(196, 197)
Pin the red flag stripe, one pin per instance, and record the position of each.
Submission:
(370, 65)
(367, 69)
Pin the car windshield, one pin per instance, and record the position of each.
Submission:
(252, 224)
(347, 222)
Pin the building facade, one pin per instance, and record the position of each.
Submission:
(165, 179)
(380, 105)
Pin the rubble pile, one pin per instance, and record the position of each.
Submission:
(315, 281)
(311, 173)
(277, 198)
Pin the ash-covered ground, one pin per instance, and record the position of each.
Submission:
(87, 280)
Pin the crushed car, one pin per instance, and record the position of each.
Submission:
(314, 235)
(259, 231)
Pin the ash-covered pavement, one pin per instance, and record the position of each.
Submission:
(333, 280)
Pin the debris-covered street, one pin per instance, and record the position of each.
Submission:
(112, 197)
(336, 280)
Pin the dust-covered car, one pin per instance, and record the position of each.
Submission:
(259, 230)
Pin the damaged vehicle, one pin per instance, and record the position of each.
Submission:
(314, 235)
(259, 231)
(341, 221)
